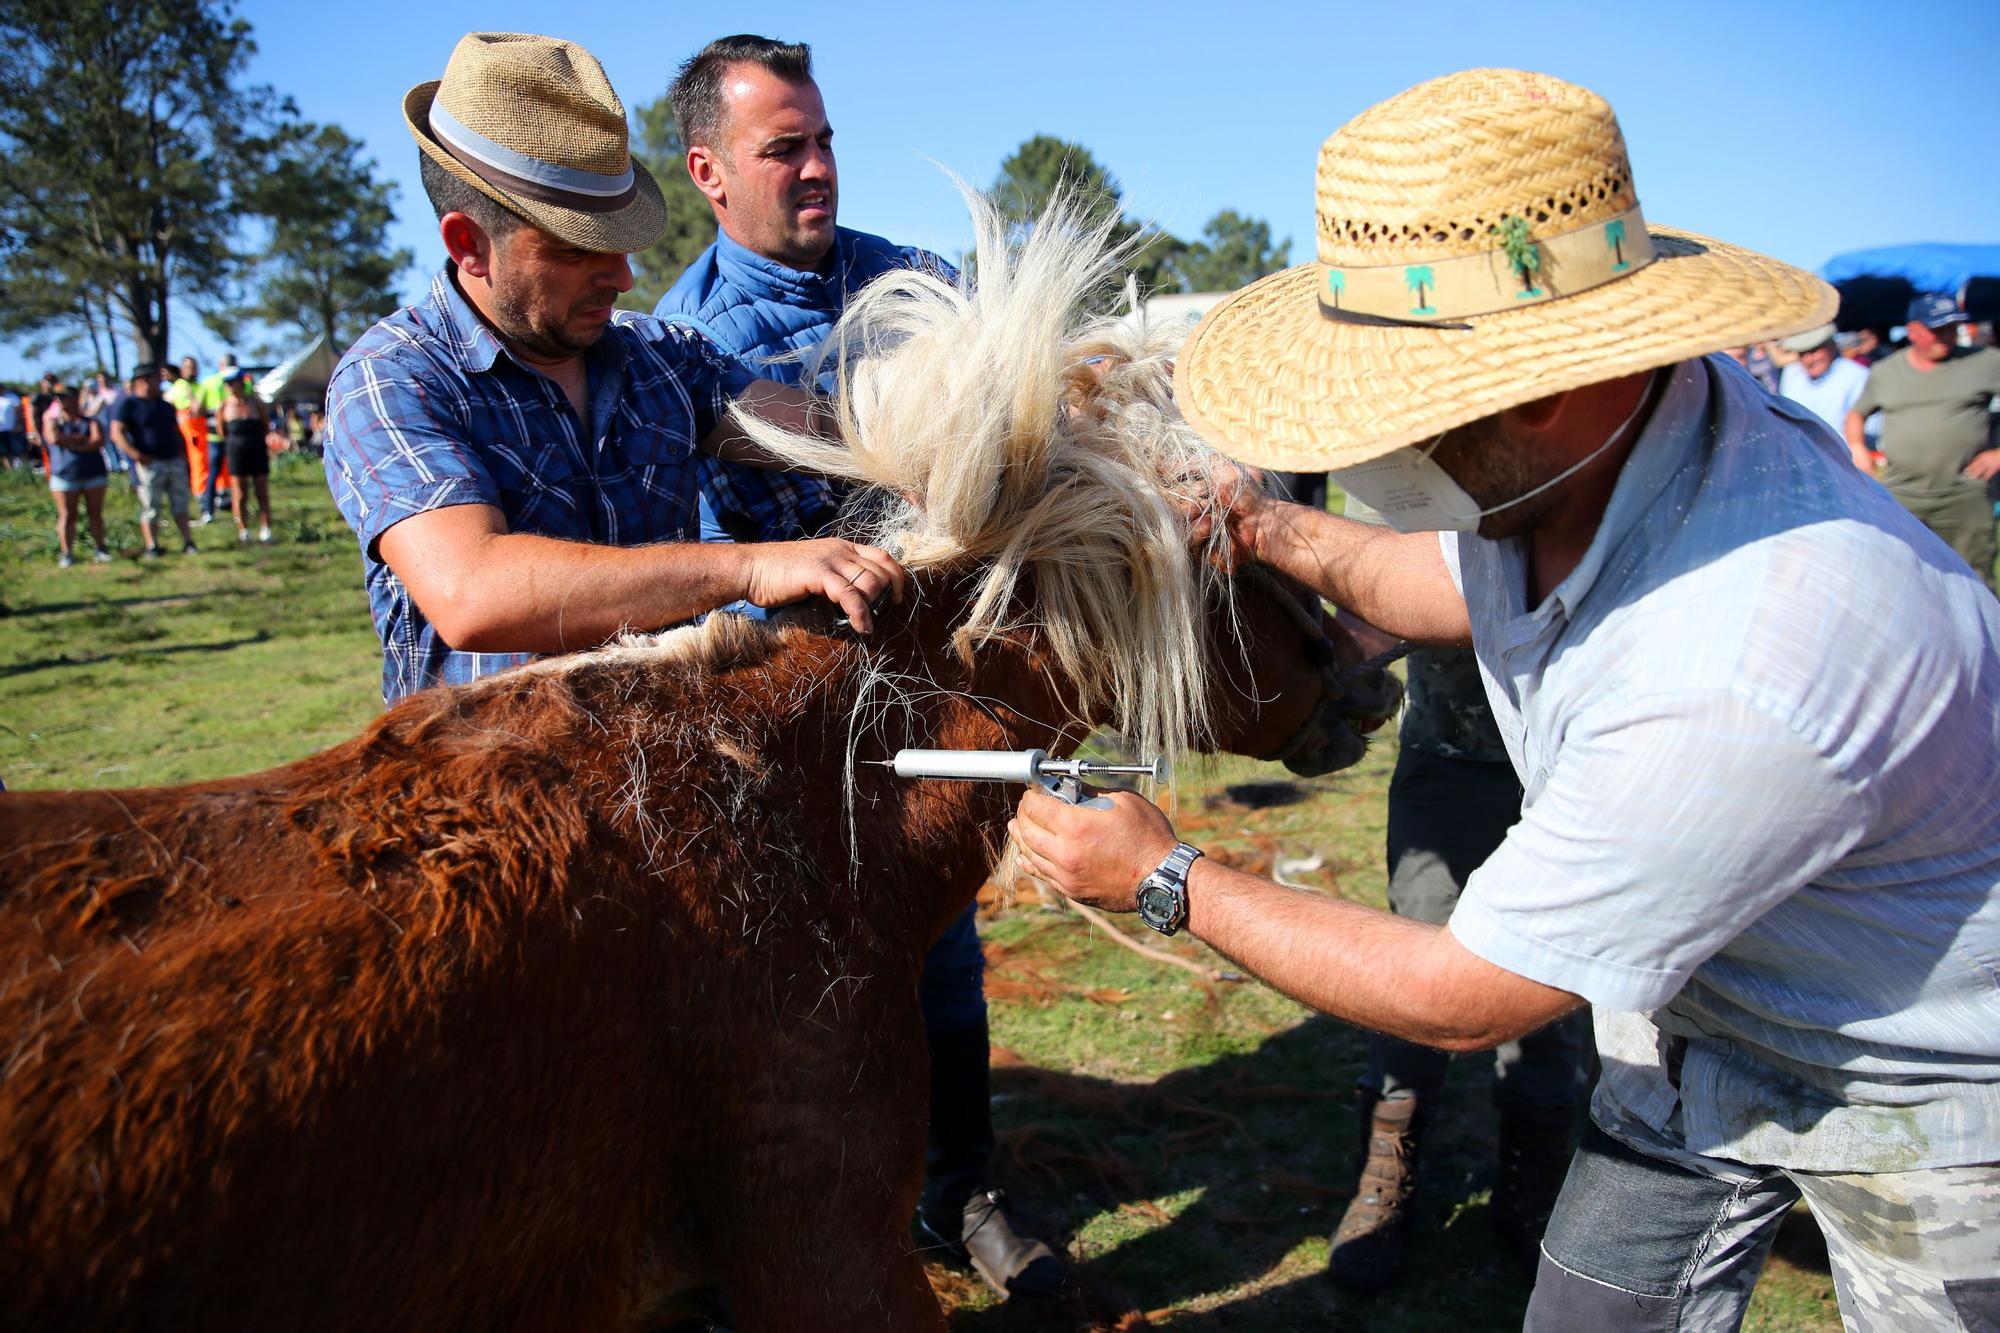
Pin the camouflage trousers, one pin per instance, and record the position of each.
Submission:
(1653, 1237)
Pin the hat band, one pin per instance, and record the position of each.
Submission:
(1481, 284)
(530, 177)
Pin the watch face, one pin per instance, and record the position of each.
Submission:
(1159, 905)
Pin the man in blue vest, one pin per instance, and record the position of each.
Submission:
(759, 147)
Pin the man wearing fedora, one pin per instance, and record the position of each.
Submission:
(517, 459)
(760, 148)
(1754, 705)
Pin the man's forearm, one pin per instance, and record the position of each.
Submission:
(785, 406)
(1856, 430)
(522, 593)
(1395, 581)
(1379, 971)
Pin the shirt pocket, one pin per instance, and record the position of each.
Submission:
(542, 490)
(652, 469)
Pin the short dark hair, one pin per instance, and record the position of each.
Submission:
(696, 91)
(449, 194)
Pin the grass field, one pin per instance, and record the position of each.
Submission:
(1190, 1141)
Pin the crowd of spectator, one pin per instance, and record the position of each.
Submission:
(171, 435)
(1917, 413)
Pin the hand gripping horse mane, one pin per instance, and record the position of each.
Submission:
(557, 1000)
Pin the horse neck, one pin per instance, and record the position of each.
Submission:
(918, 850)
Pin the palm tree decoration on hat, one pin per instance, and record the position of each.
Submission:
(1336, 283)
(1523, 255)
(1614, 236)
(1419, 278)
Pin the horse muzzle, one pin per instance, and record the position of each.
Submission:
(1353, 704)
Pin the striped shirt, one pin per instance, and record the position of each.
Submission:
(429, 410)
(1759, 731)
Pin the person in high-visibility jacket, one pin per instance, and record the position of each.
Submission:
(210, 394)
(181, 394)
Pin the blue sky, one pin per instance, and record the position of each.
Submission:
(1798, 130)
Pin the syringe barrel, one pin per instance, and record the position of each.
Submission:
(970, 765)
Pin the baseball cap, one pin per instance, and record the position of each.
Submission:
(1933, 310)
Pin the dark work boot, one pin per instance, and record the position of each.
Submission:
(1534, 1157)
(1369, 1243)
(961, 1214)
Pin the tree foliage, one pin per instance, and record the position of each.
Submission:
(1033, 174)
(1233, 249)
(656, 141)
(125, 145)
(325, 268)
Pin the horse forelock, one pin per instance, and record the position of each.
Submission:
(1010, 429)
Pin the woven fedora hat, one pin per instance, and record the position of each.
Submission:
(1480, 246)
(532, 123)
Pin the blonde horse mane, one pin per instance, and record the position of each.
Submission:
(1002, 427)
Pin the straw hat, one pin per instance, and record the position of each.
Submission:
(532, 123)
(1480, 245)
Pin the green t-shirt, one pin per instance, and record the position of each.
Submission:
(1932, 421)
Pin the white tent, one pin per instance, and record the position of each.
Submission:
(300, 377)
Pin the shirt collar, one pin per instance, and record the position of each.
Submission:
(459, 326)
(1665, 442)
(767, 279)
(477, 347)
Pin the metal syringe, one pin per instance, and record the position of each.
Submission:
(1061, 778)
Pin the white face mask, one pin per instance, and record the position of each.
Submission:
(1413, 494)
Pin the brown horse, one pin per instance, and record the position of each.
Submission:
(550, 1002)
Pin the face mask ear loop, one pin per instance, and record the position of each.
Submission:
(1645, 396)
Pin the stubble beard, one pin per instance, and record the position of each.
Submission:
(1488, 466)
(514, 316)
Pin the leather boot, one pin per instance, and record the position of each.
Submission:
(1369, 1244)
(961, 1214)
(1534, 1158)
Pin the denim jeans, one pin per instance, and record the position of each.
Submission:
(1445, 817)
(952, 989)
(1649, 1237)
(217, 454)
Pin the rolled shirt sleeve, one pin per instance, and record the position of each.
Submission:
(1669, 824)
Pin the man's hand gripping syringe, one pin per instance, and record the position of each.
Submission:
(1162, 895)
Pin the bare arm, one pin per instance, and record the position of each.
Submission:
(1365, 966)
(783, 405)
(1857, 443)
(1393, 580)
(122, 439)
(487, 589)
(1383, 972)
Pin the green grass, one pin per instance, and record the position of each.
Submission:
(142, 672)
(1191, 1141)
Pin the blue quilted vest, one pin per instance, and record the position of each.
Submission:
(759, 310)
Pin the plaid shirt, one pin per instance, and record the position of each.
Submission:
(430, 410)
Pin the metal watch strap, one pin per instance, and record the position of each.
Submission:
(1179, 861)
(1169, 877)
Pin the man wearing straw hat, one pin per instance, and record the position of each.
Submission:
(1755, 707)
(517, 460)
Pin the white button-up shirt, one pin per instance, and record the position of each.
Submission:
(1759, 731)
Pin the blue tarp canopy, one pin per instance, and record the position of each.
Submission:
(1928, 267)
(1876, 284)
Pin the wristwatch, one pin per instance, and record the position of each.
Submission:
(1163, 901)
